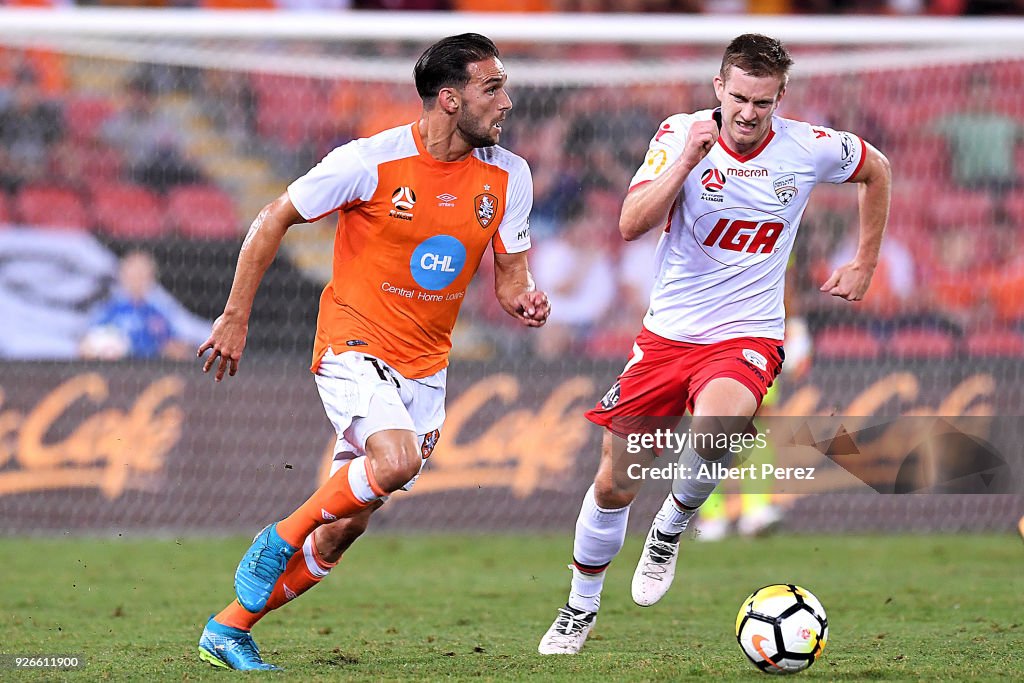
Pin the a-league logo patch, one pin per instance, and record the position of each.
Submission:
(403, 198)
(612, 397)
(429, 441)
(712, 180)
(486, 205)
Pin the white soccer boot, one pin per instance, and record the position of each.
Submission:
(568, 632)
(656, 568)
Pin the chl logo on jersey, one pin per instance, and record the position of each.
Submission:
(735, 237)
(486, 206)
(436, 262)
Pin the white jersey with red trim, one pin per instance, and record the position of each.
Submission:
(722, 258)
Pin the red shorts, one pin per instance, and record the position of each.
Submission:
(663, 378)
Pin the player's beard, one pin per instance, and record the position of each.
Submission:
(475, 132)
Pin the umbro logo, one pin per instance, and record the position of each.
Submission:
(327, 515)
(288, 592)
(446, 199)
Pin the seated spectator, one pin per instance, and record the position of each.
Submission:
(151, 141)
(578, 273)
(637, 273)
(1004, 283)
(892, 286)
(229, 101)
(139, 320)
(953, 281)
(29, 125)
(1006, 291)
(982, 142)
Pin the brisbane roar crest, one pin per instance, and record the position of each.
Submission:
(429, 442)
(486, 206)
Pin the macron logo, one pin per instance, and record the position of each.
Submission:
(328, 517)
(747, 172)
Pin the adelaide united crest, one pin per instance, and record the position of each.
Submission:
(486, 206)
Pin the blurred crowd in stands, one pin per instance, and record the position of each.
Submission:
(894, 7)
(121, 162)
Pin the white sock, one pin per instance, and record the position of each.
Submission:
(600, 534)
(694, 488)
(585, 593)
(359, 480)
(672, 519)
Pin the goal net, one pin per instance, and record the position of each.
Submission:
(138, 146)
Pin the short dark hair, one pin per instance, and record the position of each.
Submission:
(443, 64)
(757, 55)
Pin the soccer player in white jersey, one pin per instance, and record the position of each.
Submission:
(726, 187)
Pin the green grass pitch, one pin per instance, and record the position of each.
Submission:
(474, 607)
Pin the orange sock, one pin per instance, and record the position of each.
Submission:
(331, 501)
(298, 578)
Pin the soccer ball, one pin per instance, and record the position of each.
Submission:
(782, 628)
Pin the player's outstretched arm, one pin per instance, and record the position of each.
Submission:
(516, 291)
(647, 206)
(851, 281)
(227, 339)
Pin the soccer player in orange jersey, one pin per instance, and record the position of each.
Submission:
(418, 206)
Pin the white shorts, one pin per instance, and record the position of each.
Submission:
(363, 395)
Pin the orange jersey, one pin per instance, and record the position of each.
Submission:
(411, 232)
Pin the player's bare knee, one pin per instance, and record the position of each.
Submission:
(716, 433)
(611, 494)
(395, 465)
